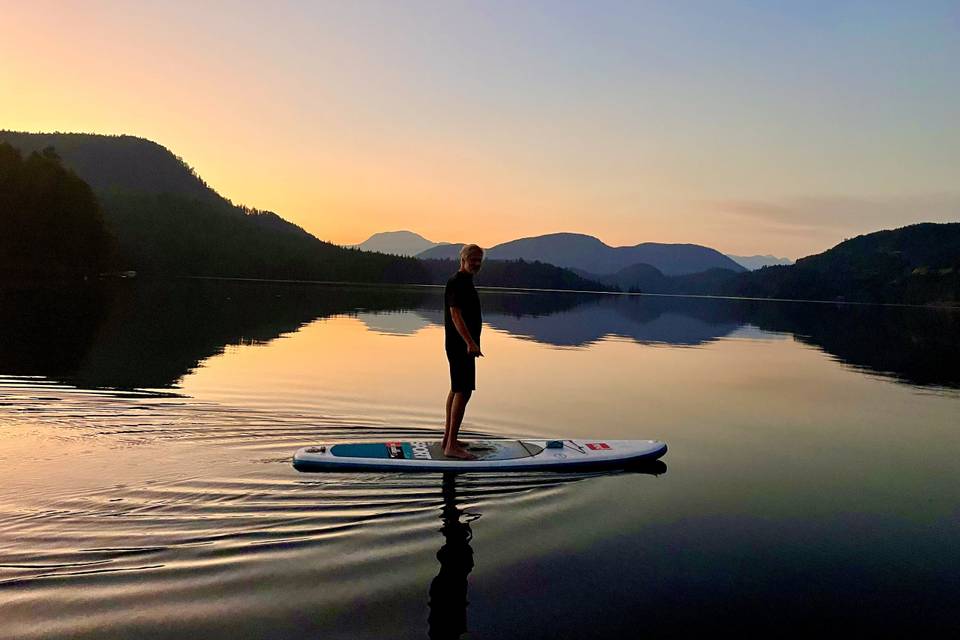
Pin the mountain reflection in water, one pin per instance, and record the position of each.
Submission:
(149, 335)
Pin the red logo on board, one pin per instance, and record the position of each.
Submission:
(597, 445)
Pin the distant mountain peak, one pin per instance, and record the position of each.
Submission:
(401, 243)
(402, 233)
(565, 234)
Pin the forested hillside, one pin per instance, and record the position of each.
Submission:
(917, 264)
(167, 221)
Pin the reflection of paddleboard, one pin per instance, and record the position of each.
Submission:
(491, 455)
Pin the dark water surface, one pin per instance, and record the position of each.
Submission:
(146, 489)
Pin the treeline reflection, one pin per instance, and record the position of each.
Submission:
(150, 334)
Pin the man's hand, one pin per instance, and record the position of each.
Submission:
(473, 349)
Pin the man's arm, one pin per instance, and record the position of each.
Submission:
(472, 347)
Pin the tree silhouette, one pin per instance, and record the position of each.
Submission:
(51, 224)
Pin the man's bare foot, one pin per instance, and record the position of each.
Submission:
(458, 452)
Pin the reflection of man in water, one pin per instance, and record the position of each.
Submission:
(462, 323)
(448, 591)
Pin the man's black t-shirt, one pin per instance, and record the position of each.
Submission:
(461, 293)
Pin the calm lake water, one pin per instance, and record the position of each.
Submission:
(146, 489)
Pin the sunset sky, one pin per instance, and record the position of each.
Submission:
(750, 127)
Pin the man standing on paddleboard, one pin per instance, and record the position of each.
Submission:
(462, 323)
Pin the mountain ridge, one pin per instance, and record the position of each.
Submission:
(914, 264)
(752, 263)
(583, 252)
(169, 222)
(406, 242)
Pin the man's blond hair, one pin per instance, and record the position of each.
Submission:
(468, 250)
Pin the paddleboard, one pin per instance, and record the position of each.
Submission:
(490, 455)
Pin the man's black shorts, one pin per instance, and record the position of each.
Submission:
(463, 371)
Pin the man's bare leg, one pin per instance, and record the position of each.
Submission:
(446, 424)
(452, 447)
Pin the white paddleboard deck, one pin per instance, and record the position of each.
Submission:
(490, 455)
